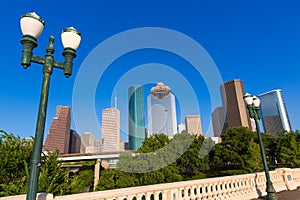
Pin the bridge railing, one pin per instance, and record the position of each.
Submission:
(247, 186)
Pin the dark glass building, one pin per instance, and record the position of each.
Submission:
(136, 117)
(274, 113)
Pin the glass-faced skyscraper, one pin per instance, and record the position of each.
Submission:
(274, 114)
(161, 111)
(136, 117)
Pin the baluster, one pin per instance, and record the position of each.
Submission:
(156, 195)
(192, 193)
(204, 191)
(148, 195)
(139, 196)
(186, 193)
(209, 191)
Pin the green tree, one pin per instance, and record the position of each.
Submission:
(15, 154)
(221, 157)
(270, 148)
(53, 179)
(114, 179)
(194, 159)
(253, 159)
(107, 180)
(240, 149)
(287, 149)
(153, 143)
(83, 181)
(237, 139)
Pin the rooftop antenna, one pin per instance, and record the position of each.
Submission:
(116, 99)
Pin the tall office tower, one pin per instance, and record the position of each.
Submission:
(193, 124)
(161, 111)
(136, 117)
(181, 128)
(218, 119)
(111, 129)
(236, 112)
(75, 142)
(59, 133)
(87, 142)
(274, 113)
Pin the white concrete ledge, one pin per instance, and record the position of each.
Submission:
(39, 196)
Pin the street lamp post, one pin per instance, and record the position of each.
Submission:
(253, 104)
(32, 26)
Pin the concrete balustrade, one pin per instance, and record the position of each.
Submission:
(295, 173)
(247, 186)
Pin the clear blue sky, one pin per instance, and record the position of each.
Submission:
(256, 41)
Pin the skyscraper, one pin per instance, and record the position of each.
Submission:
(161, 111)
(75, 142)
(232, 93)
(136, 117)
(59, 133)
(193, 124)
(218, 119)
(111, 129)
(87, 142)
(181, 128)
(274, 113)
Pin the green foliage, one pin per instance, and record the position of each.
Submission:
(53, 179)
(113, 179)
(193, 159)
(240, 147)
(158, 160)
(15, 154)
(153, 143)
(107, 180)
(155, 154)
(252, 158)
(287, 149)
(222, 156)
(83, 180)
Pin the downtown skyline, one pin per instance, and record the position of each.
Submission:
(261, 38)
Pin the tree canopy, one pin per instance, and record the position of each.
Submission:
(158, 160)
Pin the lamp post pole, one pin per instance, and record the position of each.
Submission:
(253, 104)
(32, 26)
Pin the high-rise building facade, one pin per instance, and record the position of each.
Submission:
(193, 124)
(161, 111)
(75, 142)
(274, 113)
(111, 129)
(218, 121)
(236, 113)
(181, 128)
(136, 117)
(59, 133)
(87, 142)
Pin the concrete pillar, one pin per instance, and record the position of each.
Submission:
(97, 172)
(148, 195)
(186, 193)
(156, 195)
(139, 196)
(166, 195)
